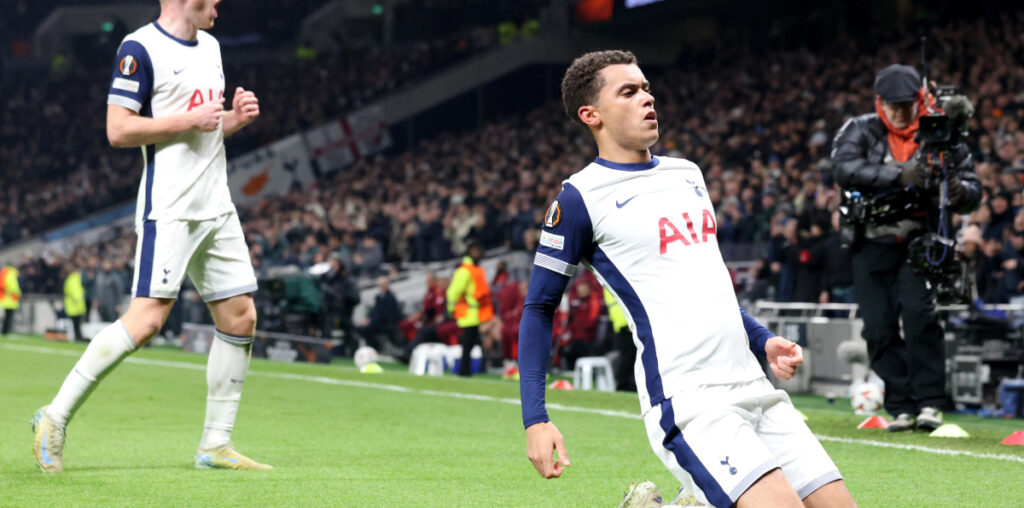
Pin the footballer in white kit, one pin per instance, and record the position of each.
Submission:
(185, 220)
(166, 97)
(646, 228)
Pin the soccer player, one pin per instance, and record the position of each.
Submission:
(167, 97)
(646, 227)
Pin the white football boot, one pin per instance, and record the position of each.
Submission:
(49, 446)
(685, 498)
(642, 495)
(225, 457)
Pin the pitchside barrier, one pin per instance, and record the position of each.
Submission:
(984, 346)
(819, 329)
(282, 347)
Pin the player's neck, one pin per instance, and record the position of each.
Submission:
(178, 26)
(624, 155)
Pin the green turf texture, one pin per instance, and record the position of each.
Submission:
(342, 445)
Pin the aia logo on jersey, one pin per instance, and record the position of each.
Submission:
(198, 99)
(668, 232)
(128, 65)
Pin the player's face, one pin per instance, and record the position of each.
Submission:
(202, 13)
(626, 107)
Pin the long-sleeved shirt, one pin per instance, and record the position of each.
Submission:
(648, 232)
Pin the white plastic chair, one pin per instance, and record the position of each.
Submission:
(591, 371)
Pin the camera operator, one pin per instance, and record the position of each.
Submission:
(874, 154)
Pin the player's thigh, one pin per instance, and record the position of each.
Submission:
(162, 254)
(805, 462)
(221, 267)
(830, 495)
(718, 449)
(771, 490)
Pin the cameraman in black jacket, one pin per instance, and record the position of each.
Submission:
(875, 154)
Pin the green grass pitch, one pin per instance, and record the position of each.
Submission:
(340, 438)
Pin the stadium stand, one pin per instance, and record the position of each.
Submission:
(759, 121)
(55, 168)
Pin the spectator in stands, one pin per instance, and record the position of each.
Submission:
(584, 315)
(758, 137)
(809, 263)
(979, 264)
(381, 327)
(432, 308)
(1001, 215)
(510, 303)
(368, 257)
(340, 298)
(110, 292)
(838, 268)
(1013, 258)
(431, 323)
(89, 279)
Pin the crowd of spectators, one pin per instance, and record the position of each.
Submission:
(759, 124)
(57, 165)
(761, 132)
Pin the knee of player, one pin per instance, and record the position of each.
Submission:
(148, 327)
(244, 322)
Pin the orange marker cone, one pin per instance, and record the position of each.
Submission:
(561, 384)
(1017, 438)
(874, 422)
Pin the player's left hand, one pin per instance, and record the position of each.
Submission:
(541, 440)
(783, 356)
(245, 105)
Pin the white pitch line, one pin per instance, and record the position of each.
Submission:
(919, 448)
(487, 398)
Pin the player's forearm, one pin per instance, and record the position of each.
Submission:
(130, 131)
(233, 123)
(534, 354)
(546, 288)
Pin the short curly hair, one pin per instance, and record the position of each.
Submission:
(582, 82)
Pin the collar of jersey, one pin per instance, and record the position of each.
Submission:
(183, 42)
(628, 166)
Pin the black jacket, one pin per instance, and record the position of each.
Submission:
(860, 148)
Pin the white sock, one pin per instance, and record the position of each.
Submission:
(225, 374)
(104, 352)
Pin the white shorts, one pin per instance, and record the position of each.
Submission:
(211, 252)
(723, 438)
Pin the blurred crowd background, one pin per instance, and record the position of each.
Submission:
(758, 118)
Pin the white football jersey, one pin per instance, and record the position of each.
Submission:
(649, 232)
(158, 75)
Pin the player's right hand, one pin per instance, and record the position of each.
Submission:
(207, 116)
(541, 440)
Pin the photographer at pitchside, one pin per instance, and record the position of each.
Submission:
(879, 158)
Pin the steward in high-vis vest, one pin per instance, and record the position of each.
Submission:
(74, 301)
(469, 302)
(10, 296)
